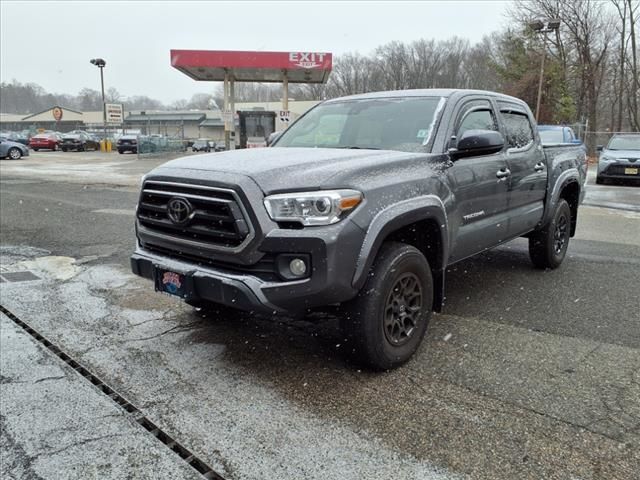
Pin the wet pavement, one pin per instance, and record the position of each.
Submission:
(527, 374)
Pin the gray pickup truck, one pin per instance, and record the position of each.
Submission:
(363, 202)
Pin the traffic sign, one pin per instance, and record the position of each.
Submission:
(115, 112)
(285, 116)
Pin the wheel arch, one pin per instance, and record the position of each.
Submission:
(566, 187)
(571, 193)
(420, 222)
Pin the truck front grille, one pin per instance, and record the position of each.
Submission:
(216, 215)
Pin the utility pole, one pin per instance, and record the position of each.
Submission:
(544, 27)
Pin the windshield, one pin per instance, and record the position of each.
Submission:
(551, 136)
(403, 124)
(631, 142)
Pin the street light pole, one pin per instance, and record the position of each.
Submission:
(100, 63)
(544, 27)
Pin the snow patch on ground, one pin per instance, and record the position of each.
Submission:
(50, 267)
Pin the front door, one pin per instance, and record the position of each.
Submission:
(480, 186)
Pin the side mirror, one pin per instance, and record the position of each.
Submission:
(599, 148)
(576, 141)
(273, 137)
(477, 142)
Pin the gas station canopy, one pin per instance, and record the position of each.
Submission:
(212, 65)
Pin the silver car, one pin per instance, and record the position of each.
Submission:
(620, 159)
(12, 150)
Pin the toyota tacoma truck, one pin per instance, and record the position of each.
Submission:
(362, 203)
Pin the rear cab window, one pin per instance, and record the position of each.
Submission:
(518, 129)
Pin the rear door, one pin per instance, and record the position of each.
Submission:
(479, 185)
(526, 162)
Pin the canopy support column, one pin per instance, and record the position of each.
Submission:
(285, 91)
(232, 108)
(227, 129)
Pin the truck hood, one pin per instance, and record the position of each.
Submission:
(279, 169)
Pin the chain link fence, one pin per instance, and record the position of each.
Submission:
(160, 145)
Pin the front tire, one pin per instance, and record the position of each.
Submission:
(548, 247)
(386, 322)
(15, 153)
(599, 180)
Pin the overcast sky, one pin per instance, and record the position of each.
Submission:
(50, 43)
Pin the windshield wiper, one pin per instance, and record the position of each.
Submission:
(354, 147)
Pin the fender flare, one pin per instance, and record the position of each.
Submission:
(395, 217)
(570, 175)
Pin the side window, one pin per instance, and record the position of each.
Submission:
(518, 129)
(476, 115)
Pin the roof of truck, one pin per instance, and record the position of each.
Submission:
(426, 92)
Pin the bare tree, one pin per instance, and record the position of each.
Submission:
(634, 89)
(112, 95)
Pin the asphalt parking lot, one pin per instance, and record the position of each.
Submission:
(527, 374)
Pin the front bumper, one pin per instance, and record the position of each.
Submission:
(619, 170)
(333, 252)
(240, 291)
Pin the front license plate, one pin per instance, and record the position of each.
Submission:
(170, 282)
(630, 171)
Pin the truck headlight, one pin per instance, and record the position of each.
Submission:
(312, 208)
(607, 159)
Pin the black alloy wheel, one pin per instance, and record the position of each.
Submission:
(403, 310)
(548, 246)
(561, 234)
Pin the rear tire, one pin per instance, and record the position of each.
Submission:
(36, 149)
(386, 322)
(599, 180)
(548, 247)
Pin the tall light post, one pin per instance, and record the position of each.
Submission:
(100, 63)
(544, 27)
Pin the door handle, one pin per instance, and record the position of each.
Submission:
(539, 167)
(503, 173)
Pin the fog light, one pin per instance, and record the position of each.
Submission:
(298, 267)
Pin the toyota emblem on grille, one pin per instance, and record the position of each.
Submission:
(179, 210)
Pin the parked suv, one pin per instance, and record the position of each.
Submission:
(363, 202)
(127, 143)
(620, 159)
